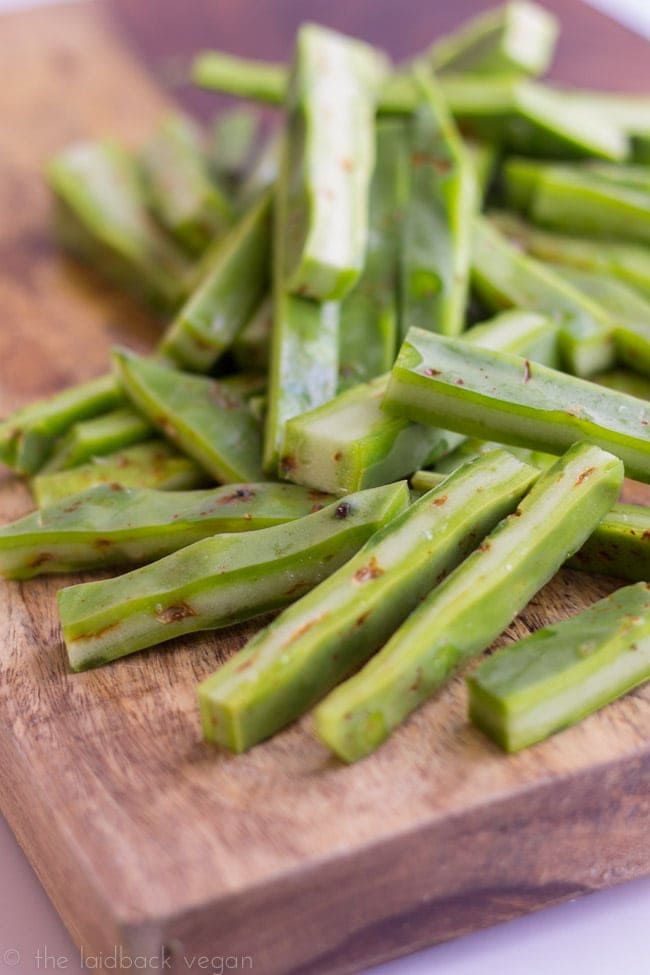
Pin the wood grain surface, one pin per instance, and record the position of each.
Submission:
(143, 835)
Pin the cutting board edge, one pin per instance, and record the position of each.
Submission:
(423, 916)
(54, 854)
(405, 872)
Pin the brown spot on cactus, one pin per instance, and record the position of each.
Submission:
(304, 628)
(241, 494)
(41, 559)
(69, 508)
(245, 664)
(584, 475)
(222, 398)
(175, 614)
(361, 619)
(165, 424)
(368, 572)
(288, 464)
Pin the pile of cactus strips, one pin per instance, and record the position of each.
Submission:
(435, 272)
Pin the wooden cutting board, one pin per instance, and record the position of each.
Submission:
(144, 836)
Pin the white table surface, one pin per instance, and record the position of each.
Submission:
(605, 934)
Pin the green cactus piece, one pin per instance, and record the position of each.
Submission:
(110, 525)
(519, 37)
(153, 464)
(101, 435)
(220, 580)
(330, 150)
(436, 247)
(531, 119)
(368, 328)
(351, 443)
(627, 262)
(462, 616)
(483, 393)
(179, 187)
(28, 436)
(234, 279)
(503, 277)
(304, 354)
(629, 313)
(101, 217)
(619, 546)
(331, 631)
(563, 672)
(208, 419)
(578, 202)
